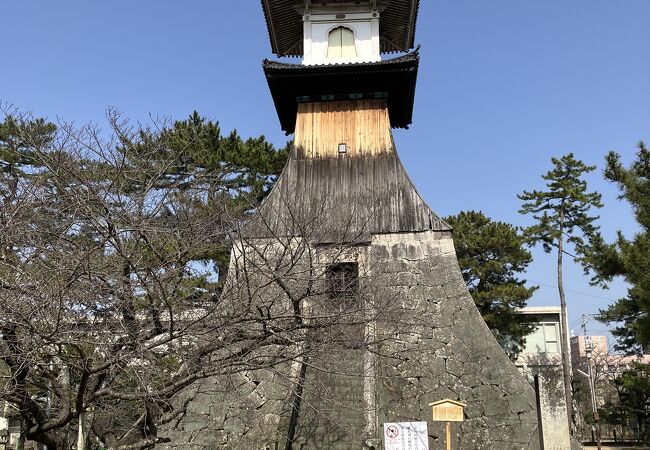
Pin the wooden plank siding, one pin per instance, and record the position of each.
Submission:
(330, 197)
(343, 198)
(363, 125)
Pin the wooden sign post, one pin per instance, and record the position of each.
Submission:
(448, 411)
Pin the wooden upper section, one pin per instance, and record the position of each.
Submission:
(362, 125)
(326, 196)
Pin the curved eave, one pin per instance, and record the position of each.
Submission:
(394, 79)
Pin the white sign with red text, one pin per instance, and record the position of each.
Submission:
(406, 436)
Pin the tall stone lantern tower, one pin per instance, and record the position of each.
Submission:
(341, 104)
(382, 252)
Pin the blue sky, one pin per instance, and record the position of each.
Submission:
(504, 85)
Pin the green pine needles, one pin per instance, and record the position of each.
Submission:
(563, 222)
(628, 258)
(491, 255)
(562, 210)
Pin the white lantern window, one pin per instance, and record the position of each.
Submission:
(340, 44)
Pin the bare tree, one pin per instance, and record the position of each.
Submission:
(113, 308)
(110, 303)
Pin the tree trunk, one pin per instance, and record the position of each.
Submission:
(295, 403)
(83, 433)
(564, 349)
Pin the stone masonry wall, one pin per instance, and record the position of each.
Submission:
(448, 352)
(427, 342)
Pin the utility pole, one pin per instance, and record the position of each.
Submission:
(592, 381)
(592, 387)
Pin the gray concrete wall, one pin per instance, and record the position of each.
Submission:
(552, 409)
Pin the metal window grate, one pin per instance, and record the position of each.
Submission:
(343, 279)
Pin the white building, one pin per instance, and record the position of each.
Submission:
(541, 362)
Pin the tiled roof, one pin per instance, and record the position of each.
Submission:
(394, 79)
(341, 67)
(396, 25)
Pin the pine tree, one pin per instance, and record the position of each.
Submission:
(491, 255)
(563, 223)
(19, 139)
(633, 388)
(227, 169)
(629, 259)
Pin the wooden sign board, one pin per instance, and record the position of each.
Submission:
(448, 411)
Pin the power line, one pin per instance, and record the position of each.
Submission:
(575, 292)
(575, 322)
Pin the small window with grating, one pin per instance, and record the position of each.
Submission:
(343, 279)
